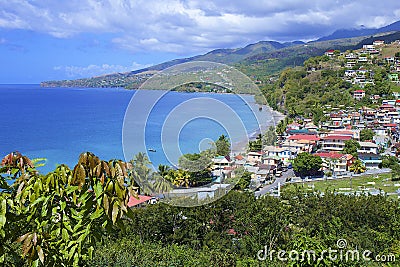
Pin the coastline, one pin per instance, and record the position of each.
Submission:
(241, 146)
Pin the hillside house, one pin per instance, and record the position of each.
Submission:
(334, 142)
(368, 148)
(393, 77)
(378, 43)
(335, 162)
(330, 53)
(284, 153)
(370, 161)
(254, 157)
(221, 165)
(358, 94)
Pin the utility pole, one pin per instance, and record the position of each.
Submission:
(279, 189)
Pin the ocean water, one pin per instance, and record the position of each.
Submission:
(60, 123)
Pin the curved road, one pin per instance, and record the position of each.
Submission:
(268, 188)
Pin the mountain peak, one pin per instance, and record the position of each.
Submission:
(360, 31)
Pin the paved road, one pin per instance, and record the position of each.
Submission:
(268, 188)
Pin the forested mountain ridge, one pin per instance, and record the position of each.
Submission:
(257, 60)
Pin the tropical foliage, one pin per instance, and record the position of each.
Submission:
(306, 164)
(79, 217)
(366, 134)
(223, 146)
(233, 230)
(256, 145)
(357, 166)
(269, 137)
(351, 146)
(58, 218)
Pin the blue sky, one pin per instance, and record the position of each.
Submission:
(67, 39)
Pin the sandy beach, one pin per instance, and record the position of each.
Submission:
(241, 147)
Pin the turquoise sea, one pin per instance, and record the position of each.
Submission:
(60, 123)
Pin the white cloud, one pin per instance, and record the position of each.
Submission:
(75, 72)
(193, 25)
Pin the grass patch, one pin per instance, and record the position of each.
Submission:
(355, 184)
(395, 88)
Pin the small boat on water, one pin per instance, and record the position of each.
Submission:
(151, 150)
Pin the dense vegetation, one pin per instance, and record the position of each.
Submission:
(231, 231)
(55, 220)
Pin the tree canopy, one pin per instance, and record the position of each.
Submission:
(351, 146)
(366, 134)
(223, 146)
(306, 164)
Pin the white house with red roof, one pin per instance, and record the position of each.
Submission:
(308, 137)
(355, 134)
(334, 142)
(294, 126)
(358, 94)
(335, 162)
(330, 53)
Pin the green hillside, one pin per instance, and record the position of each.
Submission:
(262, 61)
(325, 81)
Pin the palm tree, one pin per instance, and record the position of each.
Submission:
(140, 173)
(163, 170)
(182, 178)
(357, 167)
(161, 185)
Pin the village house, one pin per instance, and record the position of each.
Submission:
(305, 142)
(351, 56)
(358, 94)
(370, 161)
(351, 64)
(368, 148)
(378, 43)
(393, 77)
(254, 157)
(355, 134)
(335, 162)
(284, 153)
(239, 160)
(273, 161)
(330, 53)
(362, 59)
(221, 166)
(334, 142)
(390, 60)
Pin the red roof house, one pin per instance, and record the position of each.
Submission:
(308, 137)
(133, 201)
